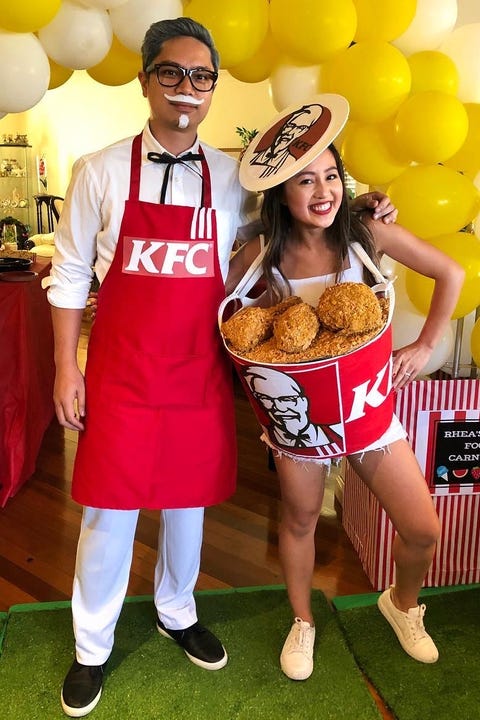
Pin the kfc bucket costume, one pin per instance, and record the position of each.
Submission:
(329, 408)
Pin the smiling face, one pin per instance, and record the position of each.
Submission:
(165, 112)
(314, 195)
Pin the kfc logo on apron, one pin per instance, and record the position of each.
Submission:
(184, 258)
(168, 258)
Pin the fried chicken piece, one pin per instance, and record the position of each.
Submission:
(248, 327)
(295, 329)
(283, 305)
(349, 308)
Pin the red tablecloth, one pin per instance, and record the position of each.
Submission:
(26, 377)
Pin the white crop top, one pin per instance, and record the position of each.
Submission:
(310, 289)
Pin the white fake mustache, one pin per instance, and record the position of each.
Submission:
(184, 99)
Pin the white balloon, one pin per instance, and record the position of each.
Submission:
(24, 71)
(433, 21)
(290, 83)
(132, 19)
(462, 47)
(407, 324)
(77, 37)
(102, 4)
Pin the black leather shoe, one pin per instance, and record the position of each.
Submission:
(199, 644)
(82, 688)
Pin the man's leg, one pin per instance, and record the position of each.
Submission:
(102, 569)
(178, 564)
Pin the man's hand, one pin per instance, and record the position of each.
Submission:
(378, 202)
(69, 398)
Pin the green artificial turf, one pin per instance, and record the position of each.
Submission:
(446, 690)
(148, 676)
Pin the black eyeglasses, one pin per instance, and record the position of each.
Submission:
(170, 75)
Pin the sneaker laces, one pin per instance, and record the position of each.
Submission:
(301, 638)
(415, 624)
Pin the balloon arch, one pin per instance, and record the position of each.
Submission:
(410, 74)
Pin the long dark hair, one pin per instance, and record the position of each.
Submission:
(277, 224)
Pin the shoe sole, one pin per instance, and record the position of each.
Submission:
(80, 712)
(196, 661)
(382, 606)
(298, 676)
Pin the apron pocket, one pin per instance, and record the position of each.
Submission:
(157, 381)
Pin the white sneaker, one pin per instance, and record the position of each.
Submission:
(409, 629)
(296, 659)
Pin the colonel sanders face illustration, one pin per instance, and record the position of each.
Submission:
(281, 397)
(291, 137)
(286, 406)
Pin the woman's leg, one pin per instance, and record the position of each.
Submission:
(302, 492)
(301, 486)
(394, 477)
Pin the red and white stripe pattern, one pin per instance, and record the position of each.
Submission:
(457, 557)
(423, 402)
(202, 227)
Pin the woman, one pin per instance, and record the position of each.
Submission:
(309, 229)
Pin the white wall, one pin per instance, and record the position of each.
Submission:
(83, 115)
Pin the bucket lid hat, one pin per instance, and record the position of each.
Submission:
(292, 140)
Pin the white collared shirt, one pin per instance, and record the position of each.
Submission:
(89, 226)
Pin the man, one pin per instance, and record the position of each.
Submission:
(156, 417)
(156, 216)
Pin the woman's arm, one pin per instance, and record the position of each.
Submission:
(448, 276)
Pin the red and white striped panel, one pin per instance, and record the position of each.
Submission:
(457, 557)
(423, 402)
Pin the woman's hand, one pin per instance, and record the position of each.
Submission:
(408, 363)
(380, 203)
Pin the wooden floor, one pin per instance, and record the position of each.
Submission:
(39, 529)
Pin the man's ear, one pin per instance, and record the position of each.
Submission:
(143, 80)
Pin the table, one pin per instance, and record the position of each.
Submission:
(26, 377)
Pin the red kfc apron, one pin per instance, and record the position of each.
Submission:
(160, 427)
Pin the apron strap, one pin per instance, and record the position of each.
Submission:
(135, 168)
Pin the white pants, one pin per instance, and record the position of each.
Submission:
(104, 556)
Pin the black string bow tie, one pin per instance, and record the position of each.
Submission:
(170, 160)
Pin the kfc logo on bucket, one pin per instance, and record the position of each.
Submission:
(326, 408)
(168, 258)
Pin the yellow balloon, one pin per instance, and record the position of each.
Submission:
(58, 74)
(312, 32)
(433, 199)
(238, 28)
(433, 70)
(373, 76)
(467, 159)
(258, 67)
(384, 22)
(367, 156)
(118, 67)
(475, 343)
(431, 126)
(465, 249)
(24, 16)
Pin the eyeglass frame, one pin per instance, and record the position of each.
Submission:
(187, 72)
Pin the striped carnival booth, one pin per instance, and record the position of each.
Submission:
(442, 419)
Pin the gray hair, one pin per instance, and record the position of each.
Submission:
(164, 30)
